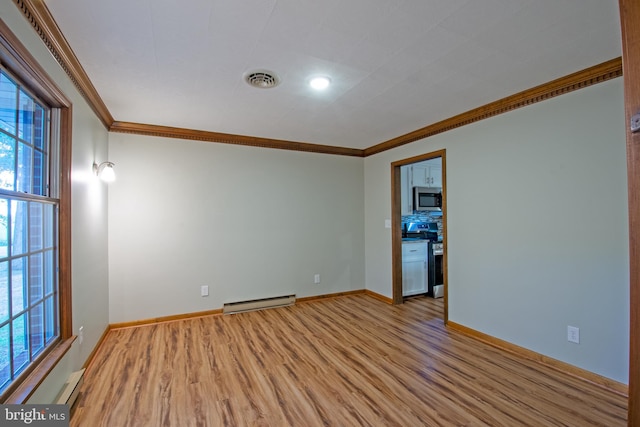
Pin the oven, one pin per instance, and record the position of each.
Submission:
(436, 275)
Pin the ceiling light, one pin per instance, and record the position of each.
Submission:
(320, 83)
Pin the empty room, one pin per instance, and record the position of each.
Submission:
(408, 213)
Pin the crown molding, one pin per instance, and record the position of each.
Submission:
(38, 15)
(579, 80)
(226, 138)
(40, 18)
(17, 58)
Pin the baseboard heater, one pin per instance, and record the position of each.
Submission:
(71, 389)
(258, 304)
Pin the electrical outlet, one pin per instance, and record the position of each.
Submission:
(204, 291)
(80, 334)
(316, 279)
(573, 334)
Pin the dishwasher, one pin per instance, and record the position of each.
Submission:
(414, 268)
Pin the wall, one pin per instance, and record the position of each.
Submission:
(247, 222)
(89, 215)
(537, 226)
(264, 221)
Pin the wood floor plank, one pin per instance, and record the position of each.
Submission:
(348, 361)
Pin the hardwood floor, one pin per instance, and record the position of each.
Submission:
(349, 361)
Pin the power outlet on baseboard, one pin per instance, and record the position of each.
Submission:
(204, 291)
(316, 278)
(573, 334)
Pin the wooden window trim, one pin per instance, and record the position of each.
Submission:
(15, 57)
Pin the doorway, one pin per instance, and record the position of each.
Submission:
(400, 194)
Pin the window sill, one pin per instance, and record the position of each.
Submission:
(31, 382)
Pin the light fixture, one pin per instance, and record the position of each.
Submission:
(320, 82)
(105, 171)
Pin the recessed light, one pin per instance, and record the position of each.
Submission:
(320, 82)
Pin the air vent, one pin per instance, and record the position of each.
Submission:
(262, 79)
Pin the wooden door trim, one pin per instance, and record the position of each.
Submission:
(396, 225)
(629, 17)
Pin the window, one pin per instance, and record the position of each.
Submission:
(29, 292)
(35, 222)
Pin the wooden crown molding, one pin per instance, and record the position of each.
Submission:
(40, 18)
(226, 138)
(17, 58)
(581, 79)
(45, 26)
(42, 21)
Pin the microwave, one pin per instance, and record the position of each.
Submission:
(427, 199)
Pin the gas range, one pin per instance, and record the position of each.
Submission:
(421, 230)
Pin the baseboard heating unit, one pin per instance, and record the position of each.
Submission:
(258, 304)
(71, 389)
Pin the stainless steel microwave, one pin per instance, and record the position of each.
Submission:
(427, 199)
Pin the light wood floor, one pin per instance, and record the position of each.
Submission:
(349, 361)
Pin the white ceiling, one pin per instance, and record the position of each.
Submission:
(396, 65)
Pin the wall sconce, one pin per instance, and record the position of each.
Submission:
(105, 171)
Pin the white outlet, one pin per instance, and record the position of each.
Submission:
(316, 279)
(573, 334)
(80, 334)
(204, 291)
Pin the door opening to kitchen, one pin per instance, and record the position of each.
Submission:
(418, 219)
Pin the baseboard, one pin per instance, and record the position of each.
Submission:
(325, 296)
(96, 347)
(347, 293)
(163, 319)
(175, 317)
(599, 380)
(378, 296)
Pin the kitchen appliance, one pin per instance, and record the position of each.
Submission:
(427, 199)
(436, 275)
(420, 230)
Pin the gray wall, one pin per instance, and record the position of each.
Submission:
(537, 226)
(247, 222)
(89, 215)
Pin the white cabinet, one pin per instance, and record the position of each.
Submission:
(414, 268)
(420, 175)
(427, 175)
(423, 174)
(435, 176)
(406, 191)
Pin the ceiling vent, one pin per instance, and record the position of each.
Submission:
(262, 79)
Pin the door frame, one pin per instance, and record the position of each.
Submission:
(629, 16)
(396, 224)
